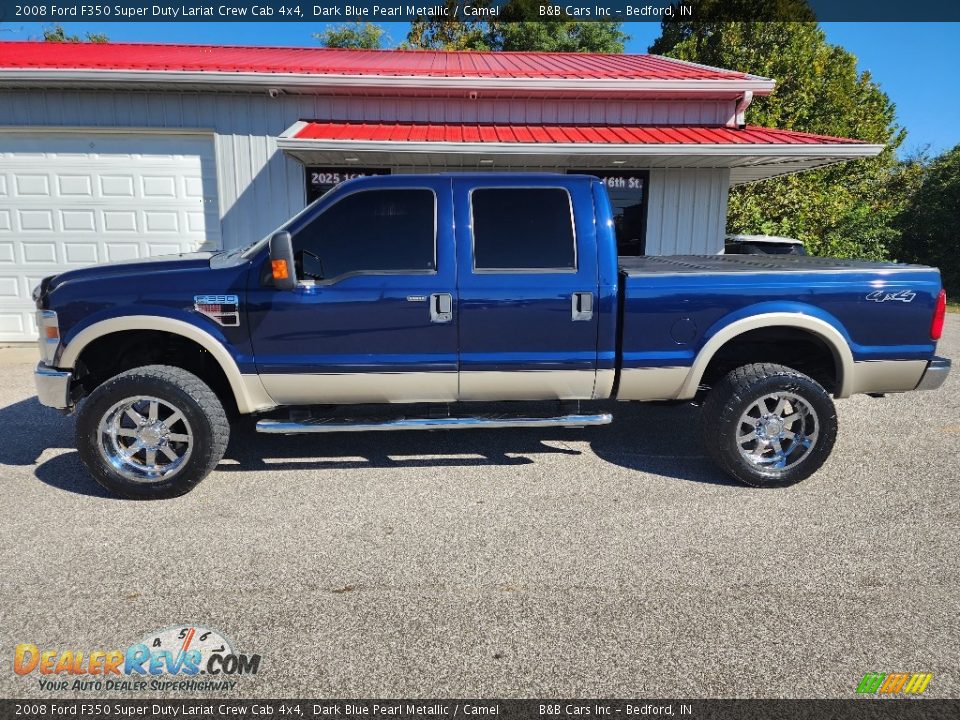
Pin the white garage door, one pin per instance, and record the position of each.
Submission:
(74, 199)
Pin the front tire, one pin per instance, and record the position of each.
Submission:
(768, 425)
(152, 432)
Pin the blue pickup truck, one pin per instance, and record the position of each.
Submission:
(427, 302)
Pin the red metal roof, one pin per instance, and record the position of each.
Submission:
(328, 61)
(548, 134)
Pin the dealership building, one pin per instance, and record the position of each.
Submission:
(119, 151)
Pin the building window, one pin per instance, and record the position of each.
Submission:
(523, 229)
(372, 232)
(321, 180)
(628, 195)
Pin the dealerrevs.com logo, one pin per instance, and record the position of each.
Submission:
(180, 657)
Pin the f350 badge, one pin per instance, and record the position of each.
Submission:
(222, 309)
(903, 296)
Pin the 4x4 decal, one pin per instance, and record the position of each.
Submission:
(880, 296)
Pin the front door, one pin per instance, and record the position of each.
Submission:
(527, 288)
(371, 320)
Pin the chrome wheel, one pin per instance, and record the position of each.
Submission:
(145, 439)
(777, 432)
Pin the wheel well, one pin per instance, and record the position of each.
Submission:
(795, 348)
(114, 353)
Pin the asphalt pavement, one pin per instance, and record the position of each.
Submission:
(607, 562)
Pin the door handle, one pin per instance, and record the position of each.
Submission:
(441, 307)
(581, 306)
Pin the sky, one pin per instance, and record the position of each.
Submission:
(915, 63)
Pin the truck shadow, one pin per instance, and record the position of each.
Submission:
(661, 440)
(658, 439)
(27, 430)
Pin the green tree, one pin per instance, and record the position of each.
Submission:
(440, 35)
(56, 33)
(845, 210)
(928, 225)
(512, 30)
(565, 36)
(357, 35)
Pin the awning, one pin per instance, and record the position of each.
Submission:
(751, 153)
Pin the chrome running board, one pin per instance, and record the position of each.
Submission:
(330, 425)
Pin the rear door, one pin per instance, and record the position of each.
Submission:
(527, 287)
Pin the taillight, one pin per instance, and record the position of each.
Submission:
(936, 327)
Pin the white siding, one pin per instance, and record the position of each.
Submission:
(259, 187)
(687, 210)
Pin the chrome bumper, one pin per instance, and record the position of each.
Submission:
(53, 386)
(936, 372)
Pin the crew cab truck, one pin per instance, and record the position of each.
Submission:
(394, 296)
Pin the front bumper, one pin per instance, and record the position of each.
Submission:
(936, 372)
(53, 387)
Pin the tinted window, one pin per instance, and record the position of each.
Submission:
(369, 231)
(519, 228)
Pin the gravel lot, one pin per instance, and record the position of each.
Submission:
(611, 562)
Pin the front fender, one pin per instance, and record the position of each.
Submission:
(247, 389)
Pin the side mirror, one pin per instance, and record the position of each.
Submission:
(282, 266)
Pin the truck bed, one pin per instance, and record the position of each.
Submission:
(741, 264)
(673, 305)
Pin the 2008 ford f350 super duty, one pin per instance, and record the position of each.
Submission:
(461, 290)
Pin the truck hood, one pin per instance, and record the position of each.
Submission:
(144, 267)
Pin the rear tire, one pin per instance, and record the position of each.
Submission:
(768, 425)
(152, 432)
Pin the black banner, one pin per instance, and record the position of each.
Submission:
(854, 709)
(475, 10)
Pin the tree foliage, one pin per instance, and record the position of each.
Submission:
(928, 225)
(562, 36)
(511, 31)
(845, 210)
(357, 35)
(56, 33)
(440, 35)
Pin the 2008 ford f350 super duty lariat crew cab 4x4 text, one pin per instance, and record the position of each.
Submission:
(459, 291)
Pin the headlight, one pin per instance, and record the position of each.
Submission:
(49, 328)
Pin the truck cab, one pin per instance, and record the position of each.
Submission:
(415, 289)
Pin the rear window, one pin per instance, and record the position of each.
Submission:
(523, 229)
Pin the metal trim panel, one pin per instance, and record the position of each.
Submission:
(651, 383)
(495, 385)
(935, 374)
(883, 376)
(365, 387)
(328, 425)
(53, 386)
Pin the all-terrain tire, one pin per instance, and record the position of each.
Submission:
(738, 402)
(156, 407)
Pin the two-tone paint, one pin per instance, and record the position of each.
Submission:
(652, 327)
